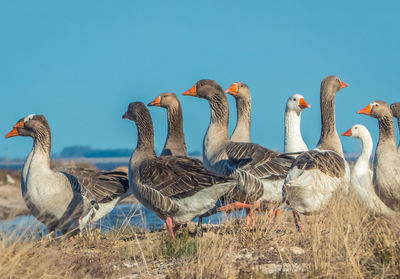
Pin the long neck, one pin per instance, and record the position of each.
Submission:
(386, 134)
(366, 150)
(243, 124)
(329, 139)
(145, 142)
(42, 146)
(175, 136)
(293, 139)
(219, 116)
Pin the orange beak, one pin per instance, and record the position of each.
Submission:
(156, 102)
(191, 91)
(347, 133)
(366, 110)
(14, 132)
(303, 104)
(233, 90)
(343, 84)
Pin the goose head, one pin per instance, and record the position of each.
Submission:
(239, 90)
(332, 84)
(137, 112)
(165, 100)
(29, 126)
(377, 109)
(206, 89)
(357, 131)
(395, 107)
(296, 103)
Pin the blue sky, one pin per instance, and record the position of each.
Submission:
(80, 63)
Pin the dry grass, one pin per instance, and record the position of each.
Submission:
(341, 242)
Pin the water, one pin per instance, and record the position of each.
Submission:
(27, 227)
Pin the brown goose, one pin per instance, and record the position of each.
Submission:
(242, 95)
(395, 107)
(260, 171)
(64, 198)
(175, 144)
(387, 162)
(176, 188)
(316, 174)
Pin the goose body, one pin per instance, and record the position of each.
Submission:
(361, 174)
(176, 188)
(260, 171)
(293, 139)
(240, 91)
(316, 174)
(64, 198)
(386, 176)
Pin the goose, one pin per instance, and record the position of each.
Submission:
(316, 174)
(175, 144)
(395, 107)
(387, 161)
(260, 171)
(176, 188)
(361, 174)
(293, 140)
(64, 198)
(241, 92)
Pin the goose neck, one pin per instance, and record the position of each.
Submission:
(243, 124)
(175, 124)
(386, 133)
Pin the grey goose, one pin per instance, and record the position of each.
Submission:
(242, 95)
(361, 174)
(175, 144)
(387, 161)
(395, 107)
(260, 171)
(316, 174)
(176, 188)
(64, 198)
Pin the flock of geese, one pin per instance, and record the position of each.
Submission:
(234, 174)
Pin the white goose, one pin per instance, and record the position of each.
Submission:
(316, 174)
(361, 174)
(64, 198)
(293, 139)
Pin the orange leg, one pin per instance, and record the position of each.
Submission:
(170, 229)
(235, 206)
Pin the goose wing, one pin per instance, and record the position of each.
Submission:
(257, 160)
(97, 185)
(178, 177)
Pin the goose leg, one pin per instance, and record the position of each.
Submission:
(297, 221)
(168, 221)
(199, 228)
(235, 206)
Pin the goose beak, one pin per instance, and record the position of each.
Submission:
(14, 132)
(303, 104)
(343, 84)
(191, 92)
(347, 133)
(125, 116)
(366, 110)
(155, 102)
(233, 90)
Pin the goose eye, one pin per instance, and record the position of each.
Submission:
(356, 128)
(294, 99)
